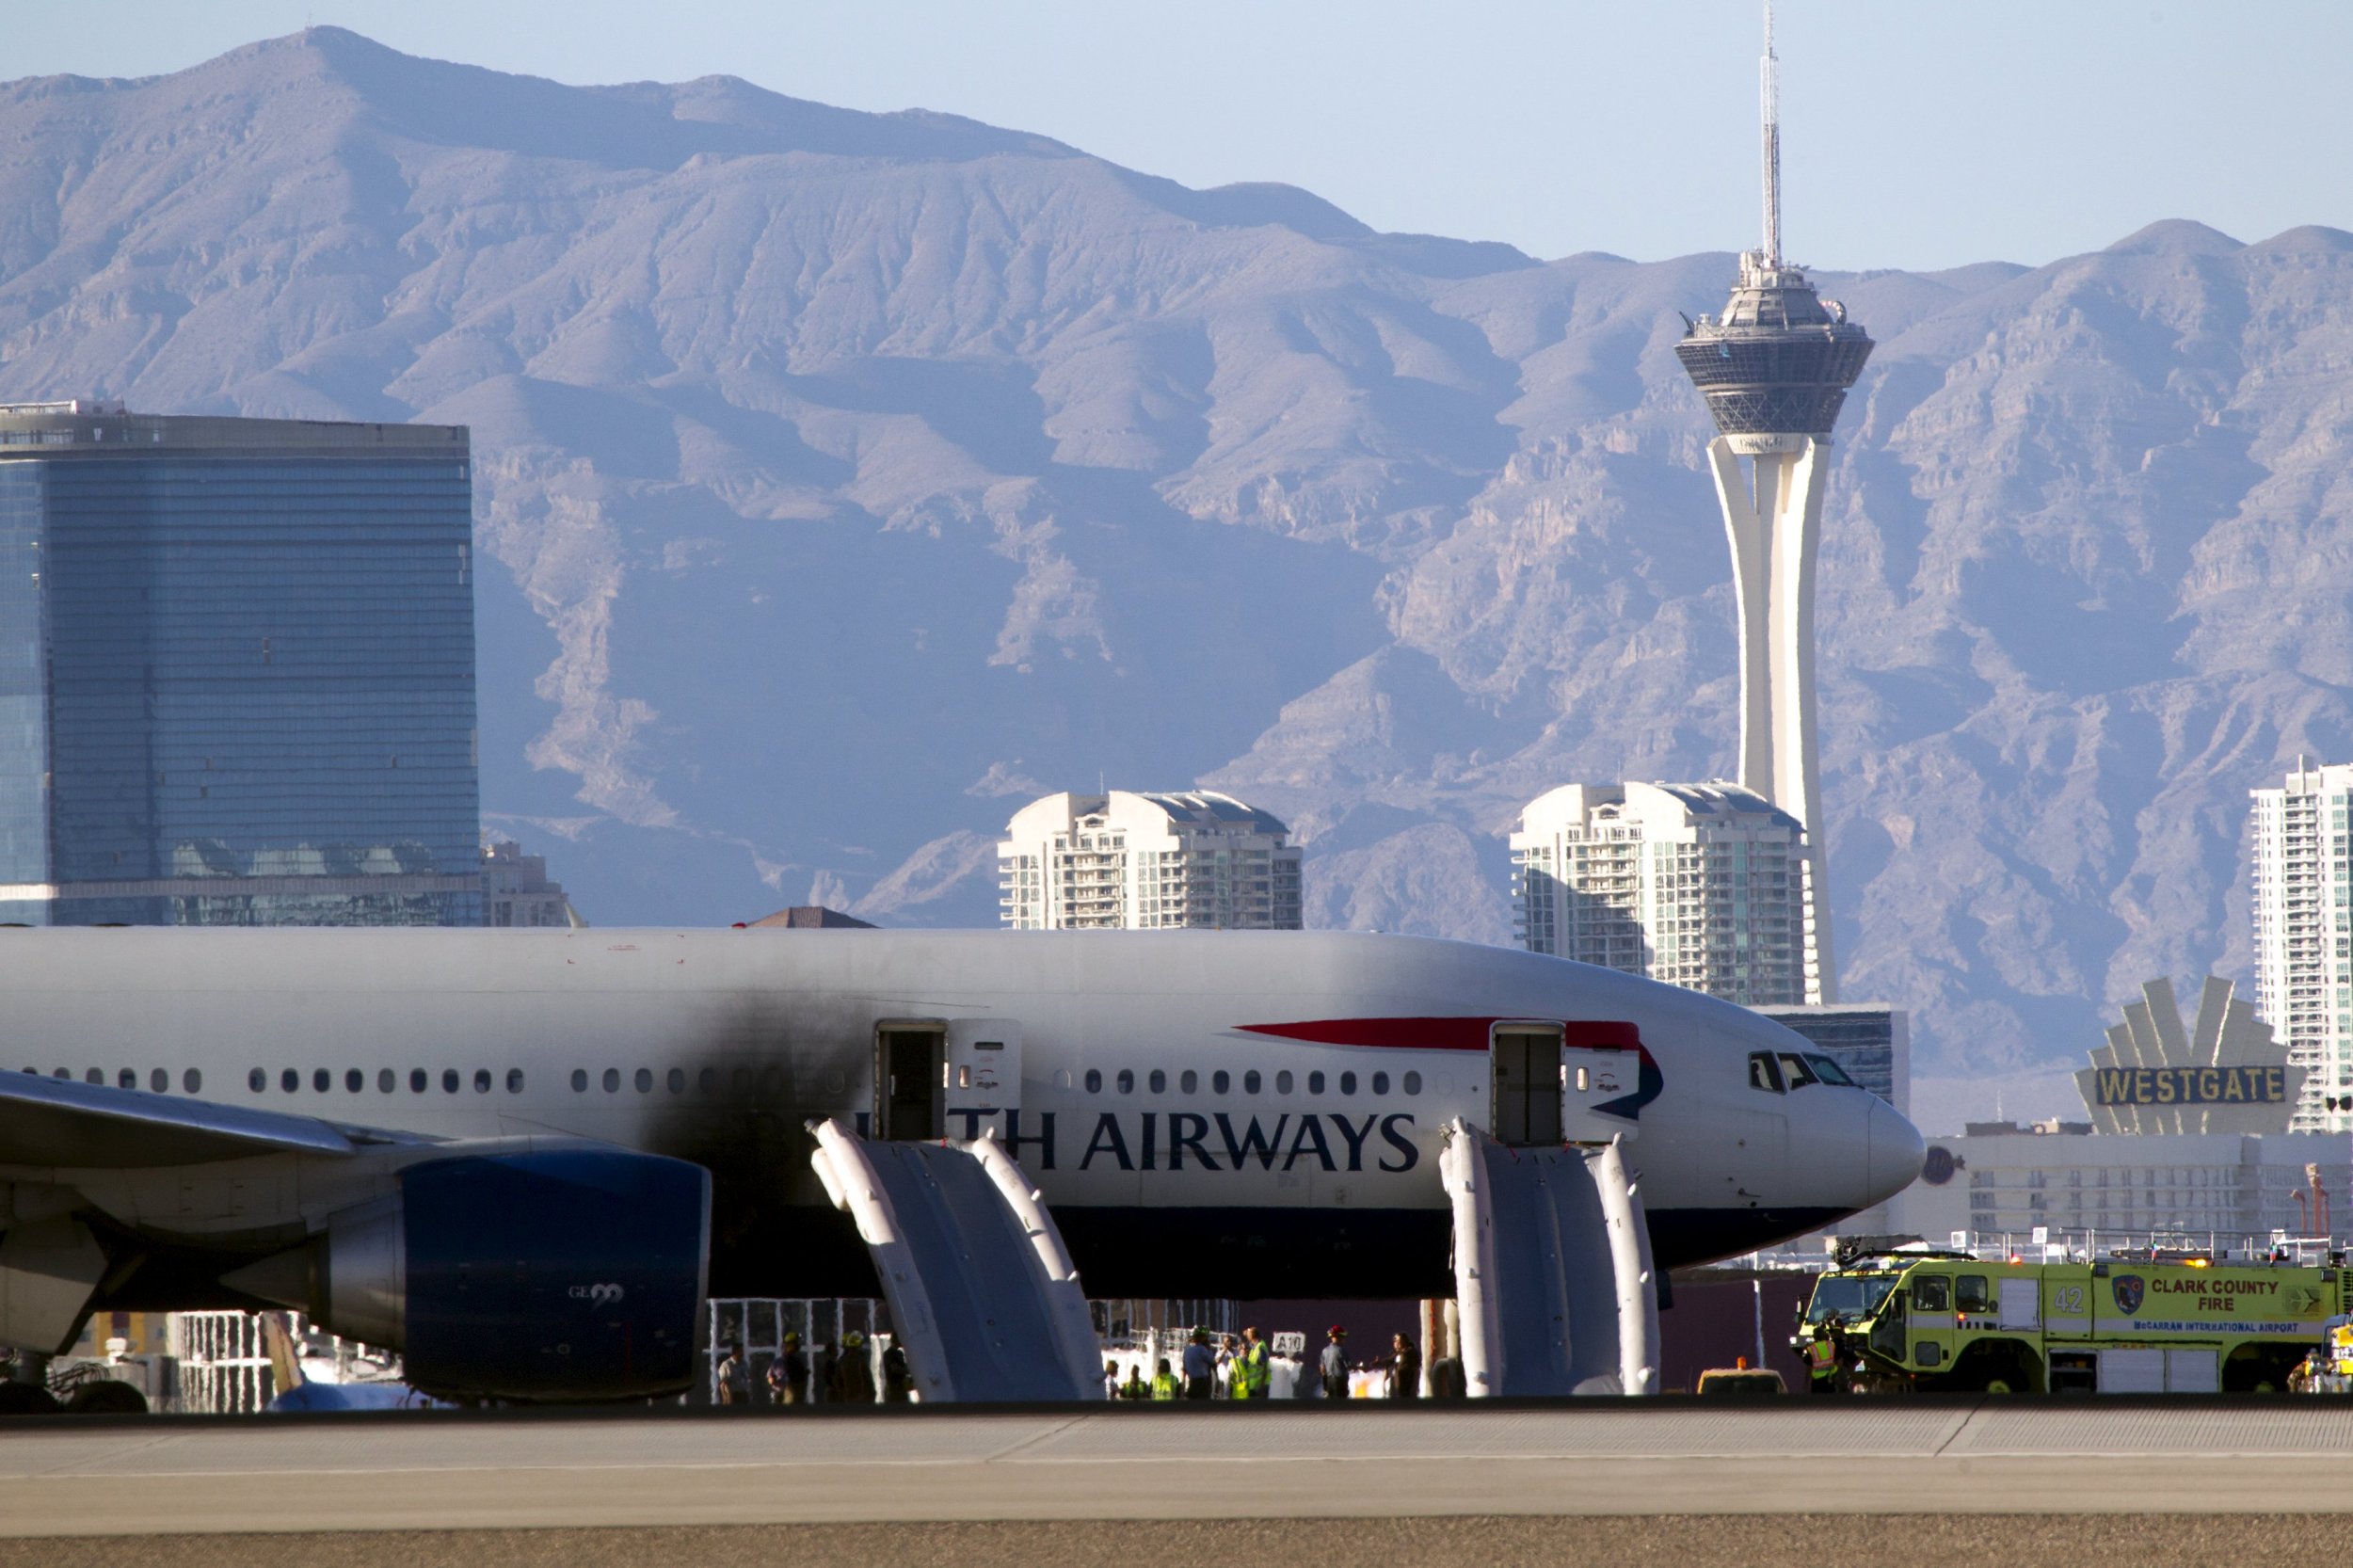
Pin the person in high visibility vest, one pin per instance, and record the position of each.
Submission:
(1821, 1362)
(1163, 1381)
(1250, 1372)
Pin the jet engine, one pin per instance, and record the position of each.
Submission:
(552, 1275)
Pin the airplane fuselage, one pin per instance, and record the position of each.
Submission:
(1207, 1114)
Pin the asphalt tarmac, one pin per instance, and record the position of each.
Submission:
(1223, 1485)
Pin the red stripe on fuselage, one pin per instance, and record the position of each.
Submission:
(1446, 1033)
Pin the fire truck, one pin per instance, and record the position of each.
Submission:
(1942, 1321)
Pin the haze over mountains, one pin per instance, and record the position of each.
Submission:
(855, 476)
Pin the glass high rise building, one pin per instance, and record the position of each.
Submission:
(236, 671)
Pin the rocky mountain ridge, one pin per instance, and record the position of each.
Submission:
(854, 475)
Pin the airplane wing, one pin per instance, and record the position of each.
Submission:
(57, 1122)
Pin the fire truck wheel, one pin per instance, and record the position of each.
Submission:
(1997, 1385)
(106, 1397)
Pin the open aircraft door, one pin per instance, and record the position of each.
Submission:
(1574, 1082)
(984, 1071)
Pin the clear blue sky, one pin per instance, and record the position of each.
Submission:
(1917, 134)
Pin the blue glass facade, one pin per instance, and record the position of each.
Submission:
(236, 675)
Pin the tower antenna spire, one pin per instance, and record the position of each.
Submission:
(1768, 95)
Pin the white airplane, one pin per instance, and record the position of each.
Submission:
(524, 1158)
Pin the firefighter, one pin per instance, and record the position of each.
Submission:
(853, 1374)
(788, 1374)
(1333, 1368)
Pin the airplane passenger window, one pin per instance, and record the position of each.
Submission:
(321, 1079)
(96, 1074)
(63, 1072)
(1095, 1085)
(127, 1079)
(1189, 1082)
(257, 1080)
(707, 1080)
(384, 1081)
(1763, 1074)
(1830, 1071)
(1220, 1081)
(1380, 1083)
(580, 1081)
(1348, 1083)
(1158, 1082)
(1283, 1082)
(1412, 1083)
(289, 1080)
(1250, 1082)
(1315, 1083)
(1127, 1080)
(449, 1080)
(613, 1080)
(416, 1081)
(1794, 1067)
(675, 1082)
(192, 1081)
(353, 1081)
(481, 1080)
(645, 1080)
(159, 1080)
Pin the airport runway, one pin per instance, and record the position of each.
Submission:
(456, 1472)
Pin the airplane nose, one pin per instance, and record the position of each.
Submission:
(1894, 1154)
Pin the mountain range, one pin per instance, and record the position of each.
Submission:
(853, 477)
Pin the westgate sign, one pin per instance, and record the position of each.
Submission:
(2259, 1085)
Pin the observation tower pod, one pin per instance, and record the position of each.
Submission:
(1774, 369)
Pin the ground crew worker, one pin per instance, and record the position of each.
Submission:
(854, 1375)
(1821, 1362)
(1333, 1368)
(1250, 1372)
(1163, 1381)
(1405, 1368)
(733, 1377)
(1200, 1366)
(1111, 1379)
(1135, 1387)
(898, 1377)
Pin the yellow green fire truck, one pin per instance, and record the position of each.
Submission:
(1937, 1321)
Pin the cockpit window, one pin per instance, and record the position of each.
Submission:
(1799, 1074)
(1763, 1073)
(1830, 1072)
(1847, 1296)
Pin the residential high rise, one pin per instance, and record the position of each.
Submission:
(1698, 884)
(1148, 861)
(2303, 855)
(236, 671)
(1774, 369)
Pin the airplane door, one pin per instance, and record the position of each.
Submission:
(1527, 1097)
(911, 1082)
(984, 1066)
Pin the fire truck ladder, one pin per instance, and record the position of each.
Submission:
(983, 1294)
(1552, 1269)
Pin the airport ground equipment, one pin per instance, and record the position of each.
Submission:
(1948, 1321)
(981, 1290)
(1552, 1268)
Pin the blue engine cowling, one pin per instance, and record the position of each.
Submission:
(570, 1274)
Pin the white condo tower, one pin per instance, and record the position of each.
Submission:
(1774, 369)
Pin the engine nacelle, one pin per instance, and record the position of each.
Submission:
(556, 1275)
